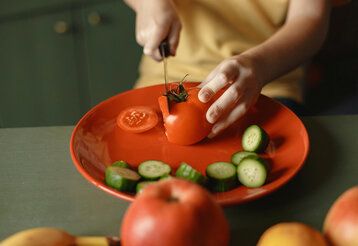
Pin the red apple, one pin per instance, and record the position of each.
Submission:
(177, 213)
(341, 223)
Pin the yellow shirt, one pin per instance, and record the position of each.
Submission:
(213, 30)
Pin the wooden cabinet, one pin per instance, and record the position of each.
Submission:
(38, 72)
(111, 50)
(57, 62)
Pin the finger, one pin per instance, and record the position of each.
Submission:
(173, 37)
(140, 39)
(155, 37)
(220, 67)
(226, 101)
(212, 74)
(209, 77)
(224, 76)
(139, 35)
(157, 55)
(233, 116)
(153, 53)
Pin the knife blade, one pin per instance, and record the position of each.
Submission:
(164, 49)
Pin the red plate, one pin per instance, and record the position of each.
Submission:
(97, 142)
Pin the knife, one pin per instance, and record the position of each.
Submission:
(164, 49)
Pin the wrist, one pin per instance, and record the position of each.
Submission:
(137, 4)
(254, 66)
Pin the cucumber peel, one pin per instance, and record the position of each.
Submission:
(120, 178)
(185, 171)
(120, 164)
(222, 176)
(237, 157)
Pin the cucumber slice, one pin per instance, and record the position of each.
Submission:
(141, 185)
(121, 178)
(166, 177)
(255, 139)
(153, 170)
(252, 171)
(222, 176)
(187, 172)
(120, 164)
(237, 157)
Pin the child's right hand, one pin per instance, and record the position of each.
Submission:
(155, 21)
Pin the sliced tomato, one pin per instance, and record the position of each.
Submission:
(185, 122)
(137, 119)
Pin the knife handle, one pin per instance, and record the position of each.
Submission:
(164, 48)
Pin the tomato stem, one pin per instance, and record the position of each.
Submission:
(178, 94)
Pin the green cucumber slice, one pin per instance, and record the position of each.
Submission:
(237, 157)
(255, 139)
(141, 185)
(166, 177)
(252, 171)
(153, 170)
(185, 171)
(120, 178)
(222, 176)
(120, 164)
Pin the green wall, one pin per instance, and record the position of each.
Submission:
(52, 77)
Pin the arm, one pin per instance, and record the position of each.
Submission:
(298, 39)
(132, 4)
(155, 21)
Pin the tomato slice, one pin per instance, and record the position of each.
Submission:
(137, 119)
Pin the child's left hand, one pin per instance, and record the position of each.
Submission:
(240, 75)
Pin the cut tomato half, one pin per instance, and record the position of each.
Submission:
(137, 119)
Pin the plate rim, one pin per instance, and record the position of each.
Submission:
(225, 202)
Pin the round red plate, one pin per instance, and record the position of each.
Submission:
(97, 142)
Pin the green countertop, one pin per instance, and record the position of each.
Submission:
(41, 187)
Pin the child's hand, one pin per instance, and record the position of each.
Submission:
(155, 21)
(244, 88)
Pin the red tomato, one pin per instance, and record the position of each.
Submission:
(185, 122)
(137, 119)
(177, 213)
(341, 223)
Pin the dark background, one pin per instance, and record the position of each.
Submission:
(332, 76)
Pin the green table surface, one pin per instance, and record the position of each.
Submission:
(39, 185)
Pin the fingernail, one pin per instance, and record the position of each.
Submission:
(213, 132)
(212, 117)
(204, 96)
(146, 51)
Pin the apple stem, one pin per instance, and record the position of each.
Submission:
(172, 199)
